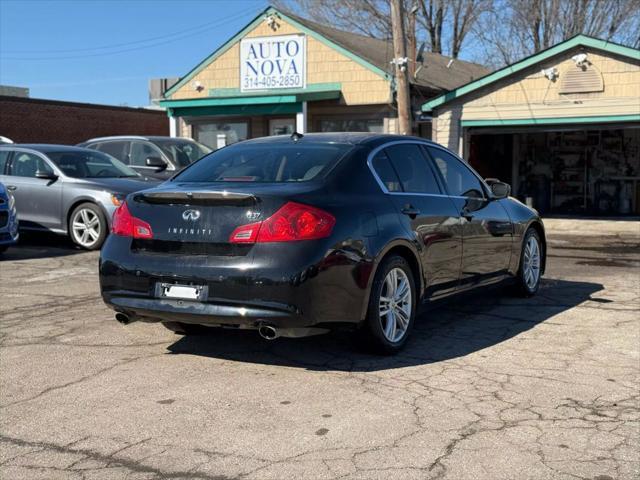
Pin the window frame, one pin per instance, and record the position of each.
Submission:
(393, 170)
(42, 156)
(127, 149)
(443, 187)
(485, 190)
(428, 166)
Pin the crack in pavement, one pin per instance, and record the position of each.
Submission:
(488, 387)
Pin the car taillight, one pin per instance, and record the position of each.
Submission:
(292, 222)
(126, 225)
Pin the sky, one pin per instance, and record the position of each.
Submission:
(105, 51)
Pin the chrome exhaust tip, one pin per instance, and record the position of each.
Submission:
(123, 318)
(268, 332)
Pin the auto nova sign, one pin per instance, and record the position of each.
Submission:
(273, 62)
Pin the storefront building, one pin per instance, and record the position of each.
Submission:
(282, 73)
(562, 126)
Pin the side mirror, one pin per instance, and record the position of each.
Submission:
(499, 189)
(156, 162)
(46, 175)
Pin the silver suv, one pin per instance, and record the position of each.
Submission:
(155, 157)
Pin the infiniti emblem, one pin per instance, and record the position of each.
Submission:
(192, 215)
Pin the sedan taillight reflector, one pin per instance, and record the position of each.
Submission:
(292, 222)
(126, 225)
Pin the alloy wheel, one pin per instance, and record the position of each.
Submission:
(86, 227)
(395, 305)
(531, 267)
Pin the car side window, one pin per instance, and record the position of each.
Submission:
(27, 164)
(4, 156)
(412, 168)
(460, 181)
(118, 150)
(140, 151)
(385, 172)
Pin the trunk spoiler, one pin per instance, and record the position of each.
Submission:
(196, 198)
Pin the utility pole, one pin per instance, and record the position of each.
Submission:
(401, 62)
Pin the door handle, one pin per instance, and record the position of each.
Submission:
(410, 210)
(12, 188)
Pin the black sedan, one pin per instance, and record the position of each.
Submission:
(295, 235)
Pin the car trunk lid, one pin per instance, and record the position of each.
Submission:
(199, 214)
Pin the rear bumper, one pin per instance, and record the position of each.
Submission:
(204, 313)
(287, 286)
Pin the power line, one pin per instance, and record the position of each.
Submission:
(124, 44)
(173, 37)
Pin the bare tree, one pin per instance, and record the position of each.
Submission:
(443, 24)
(433, 13)
(448, 22)
(464, 15)
(513, 29)
(502, 31)
(367, 17)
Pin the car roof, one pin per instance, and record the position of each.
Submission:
(46, 147)
(135, 137)
(354, 138)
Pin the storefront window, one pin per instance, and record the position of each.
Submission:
(352, 125)
(207, 133)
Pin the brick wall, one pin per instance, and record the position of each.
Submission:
(29, 120)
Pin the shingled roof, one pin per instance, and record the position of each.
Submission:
(374, 53)
(433, 74)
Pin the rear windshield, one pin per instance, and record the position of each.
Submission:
(265, 163)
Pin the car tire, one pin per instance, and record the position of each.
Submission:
(185, 328)
(531, 261)
(387, 334)
(88, 226)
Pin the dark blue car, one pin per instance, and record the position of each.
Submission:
(8, 219)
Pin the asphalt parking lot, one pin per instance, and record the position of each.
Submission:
(490, 387)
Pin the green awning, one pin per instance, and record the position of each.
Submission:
(233, 102)
(514, 122)
(246, 110)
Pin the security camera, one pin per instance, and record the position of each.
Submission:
(197, 86)
(400, 62)
(580, 59)
(550, 73)
(272, 22)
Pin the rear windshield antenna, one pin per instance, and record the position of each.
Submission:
(295, 136)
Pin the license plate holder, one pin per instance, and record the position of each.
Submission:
(181, 291)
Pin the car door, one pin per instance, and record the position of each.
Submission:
(425, 211)
(487, 230)
(140, 151)
(38, 200)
